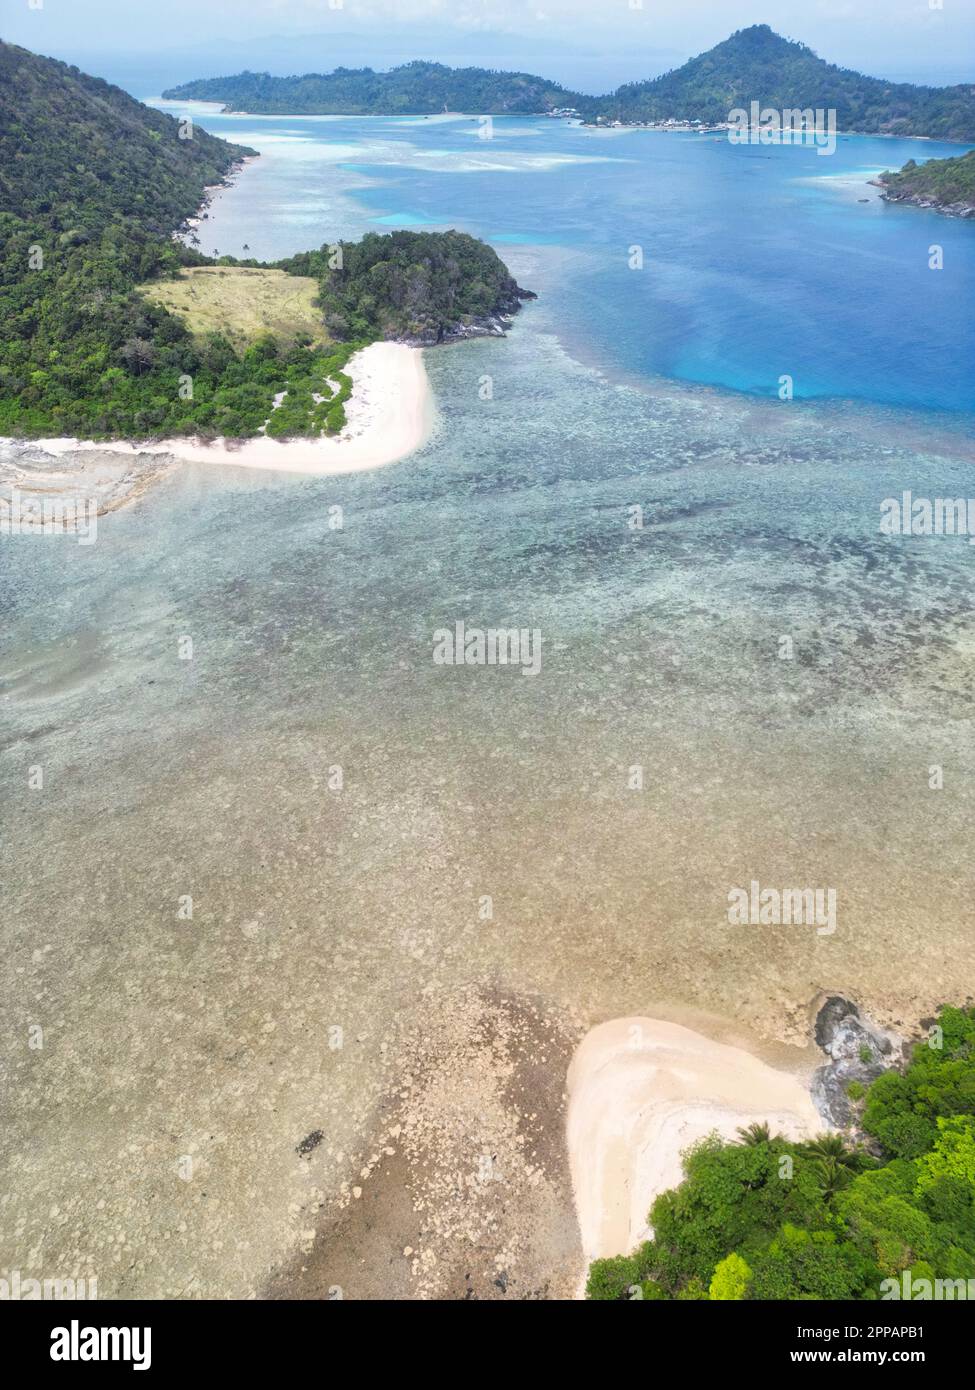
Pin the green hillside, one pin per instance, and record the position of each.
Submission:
(419, 286)
(91, 185)
(76, 151)
(414, 89)
(752, 65)
(758, 65)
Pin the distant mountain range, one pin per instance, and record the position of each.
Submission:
(754, 64)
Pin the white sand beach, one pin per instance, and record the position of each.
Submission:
(641, 1092)
(390, 413)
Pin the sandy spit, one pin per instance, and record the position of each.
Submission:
(641, 1092)
(390, 414)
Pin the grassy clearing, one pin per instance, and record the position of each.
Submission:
(242, 303)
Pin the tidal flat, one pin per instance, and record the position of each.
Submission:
(421, 940)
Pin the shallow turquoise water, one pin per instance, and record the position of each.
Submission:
(757, 262)
(661, 647)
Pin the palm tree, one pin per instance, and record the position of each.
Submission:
(830, 1148)
(833, 1177)
(755, 1134)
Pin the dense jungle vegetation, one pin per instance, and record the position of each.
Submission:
(946, 182)
(415, 286)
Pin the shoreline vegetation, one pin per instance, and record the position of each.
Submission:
(754, 63)
(942, 185)
(390, 413)
(92, 267)
(775, 1210)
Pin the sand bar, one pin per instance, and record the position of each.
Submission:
(641, 1092)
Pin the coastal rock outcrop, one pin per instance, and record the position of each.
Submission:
(488, 326)
(919, 200)
(858, 1051)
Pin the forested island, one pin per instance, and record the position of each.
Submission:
(945, 184)
(93, 185)
(754, 64)
(414, 89)
(856, 1218)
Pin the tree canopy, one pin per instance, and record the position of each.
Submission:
(766, 1218)
(412, 89)
(417, 286)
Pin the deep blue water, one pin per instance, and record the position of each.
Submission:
(758, 262)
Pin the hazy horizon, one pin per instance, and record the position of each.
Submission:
(571, 42)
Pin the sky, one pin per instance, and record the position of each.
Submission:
(590, 44)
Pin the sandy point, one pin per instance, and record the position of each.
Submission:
(642, 1091)
(390, 414)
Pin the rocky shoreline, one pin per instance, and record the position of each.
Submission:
(936, 185)
(494, 325)
(95, 475)
(917, 200)
(858, 1051)
(922, 200)
(186, 231)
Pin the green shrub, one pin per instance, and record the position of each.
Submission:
(613, 1280)
(335, 420)
(730, 1279)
